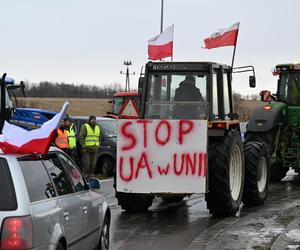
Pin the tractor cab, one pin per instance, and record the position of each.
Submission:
(6, 92)
(186, 90)
(288, 87)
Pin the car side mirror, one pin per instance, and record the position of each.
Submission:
(252, 81)
(94, 183)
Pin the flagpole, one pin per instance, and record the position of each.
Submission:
(162, 17)
(233, 55)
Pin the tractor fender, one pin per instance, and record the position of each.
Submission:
(264, 120)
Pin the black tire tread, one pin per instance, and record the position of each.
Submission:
(219, 200)
(253, 151)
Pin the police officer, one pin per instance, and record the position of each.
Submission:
(89, 138)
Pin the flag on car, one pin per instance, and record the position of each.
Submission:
(161, 46)
(15, 139)
(223, 37)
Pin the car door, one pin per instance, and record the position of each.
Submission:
(71, 203)
(91, 203)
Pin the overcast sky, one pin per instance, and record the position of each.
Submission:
(86, 41)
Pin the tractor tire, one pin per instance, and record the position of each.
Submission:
(267, 138)
(226, 170)
(134, 203)
(257, 173)
(107, 166)
(278, 171)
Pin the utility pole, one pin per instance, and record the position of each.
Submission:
(127, 85)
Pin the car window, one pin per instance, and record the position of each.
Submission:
(8, 199)
(58, 174)
(73, 172)
(37, 180)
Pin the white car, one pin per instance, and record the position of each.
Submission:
(45, 203)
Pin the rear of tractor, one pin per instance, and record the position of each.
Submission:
(235, 172)
(277, 123)
(121, 100)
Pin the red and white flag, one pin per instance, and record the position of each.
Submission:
(18, 140)
(161, 46)
(223, 37)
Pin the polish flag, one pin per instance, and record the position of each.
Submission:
(161, 46)
(18, 140)
(223, 37)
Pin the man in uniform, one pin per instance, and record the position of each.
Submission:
(61, 140)
(69, 125)
(89, 138)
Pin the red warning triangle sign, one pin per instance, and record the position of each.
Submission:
(129, 109)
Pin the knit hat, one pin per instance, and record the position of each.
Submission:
(92, 117)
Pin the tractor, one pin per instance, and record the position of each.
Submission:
(234, 172)
(120, 100)
(7, 92)
(277, 122)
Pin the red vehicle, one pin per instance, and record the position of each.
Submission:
(125, 105)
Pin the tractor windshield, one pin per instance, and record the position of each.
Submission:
(177, 96)
(289, 88)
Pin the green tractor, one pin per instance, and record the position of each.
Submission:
(277, 123)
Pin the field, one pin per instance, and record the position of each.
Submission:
(78, 106)
(99, 107)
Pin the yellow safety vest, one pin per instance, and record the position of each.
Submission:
(71, 137)
(92, 136)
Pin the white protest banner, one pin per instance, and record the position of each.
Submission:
(161, 156)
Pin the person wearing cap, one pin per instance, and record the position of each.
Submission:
(187, 92)
(89, 138)
(61, 140)
(69, 125)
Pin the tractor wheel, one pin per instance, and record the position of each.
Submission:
(107, 166)
(225, 175)
(278, 171)
(257, 173)
(134, 203)
(267, 138)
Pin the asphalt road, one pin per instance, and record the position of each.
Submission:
(188, 224)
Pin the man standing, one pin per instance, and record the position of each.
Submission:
(69, 125)
(61, 140)
(89, 138)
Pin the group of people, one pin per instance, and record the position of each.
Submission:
(89, 140)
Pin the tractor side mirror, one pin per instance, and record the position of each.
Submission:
(252, 81)
(265, 96)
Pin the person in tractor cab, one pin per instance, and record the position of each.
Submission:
(187, 92)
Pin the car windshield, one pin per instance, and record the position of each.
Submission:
(177, 96)
(289, 88)
(109, 127)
